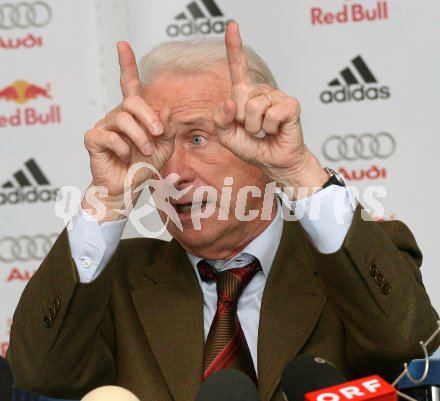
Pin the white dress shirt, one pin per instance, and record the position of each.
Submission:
(326, 217)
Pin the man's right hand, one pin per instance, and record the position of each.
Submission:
(129, 134)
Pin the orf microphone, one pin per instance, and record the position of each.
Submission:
(371, 388)
(110, 393)
(228, 385)
(307, 373)
(5, 380)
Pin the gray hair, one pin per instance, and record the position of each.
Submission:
(198, 55)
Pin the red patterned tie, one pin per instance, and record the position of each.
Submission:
(226, 345)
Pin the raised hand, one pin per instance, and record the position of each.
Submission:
(261, 125)
(130, 133)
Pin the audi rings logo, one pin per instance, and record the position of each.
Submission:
(25, 248)
(359, 147)
(24, 15)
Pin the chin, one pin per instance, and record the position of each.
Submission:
(191, 239)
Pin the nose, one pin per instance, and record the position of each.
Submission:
(183, 165)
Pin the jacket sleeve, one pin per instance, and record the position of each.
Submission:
(60, 326)
(375, 286)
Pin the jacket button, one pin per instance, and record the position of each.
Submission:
(56, 304)
(385, 288)
(373, 270)
(379, 278)
(52, 313)
(48, 322)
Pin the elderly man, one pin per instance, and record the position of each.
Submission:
(252, 293)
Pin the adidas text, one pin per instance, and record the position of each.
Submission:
(34, 195)
(199, 26)
(349, 13)
(358, 94)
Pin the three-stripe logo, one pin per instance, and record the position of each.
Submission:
(196, 11)
(28, 185)
(199, 17)
(22, 178)
(356, 82)
(350, 79)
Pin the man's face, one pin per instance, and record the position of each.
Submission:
(200, 160)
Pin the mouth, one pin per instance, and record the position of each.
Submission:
(189, 207)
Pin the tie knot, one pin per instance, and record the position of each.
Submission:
(230, 283)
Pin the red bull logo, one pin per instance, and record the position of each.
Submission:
(22, 92)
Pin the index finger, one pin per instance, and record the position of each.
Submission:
(130, 82)
(238, 66)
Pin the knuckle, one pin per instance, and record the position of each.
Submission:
(134, 85)
(271, 116)
(130, 102)
(124, 151)
(243, 92)
(103, 122)
(113, 138)
(277, 93)
(267, 88)
(241, 88)
(99, 123)
(88, 136)
(122, 119)
(293, 103)
(252, 106)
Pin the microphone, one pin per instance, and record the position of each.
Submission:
(429, 389)
(110, 393)
(5, 380)
(228, 385)
(371, 388)
(307, 373)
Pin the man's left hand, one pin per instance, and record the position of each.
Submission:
(257, 110)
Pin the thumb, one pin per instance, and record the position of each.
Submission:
(224, 119)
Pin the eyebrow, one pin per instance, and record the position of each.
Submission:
(200, 121)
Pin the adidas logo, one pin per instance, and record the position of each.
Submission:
(24, 187)
(357, 83)
(200, 17)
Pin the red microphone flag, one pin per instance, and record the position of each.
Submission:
(371, 388)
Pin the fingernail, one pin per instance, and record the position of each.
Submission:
(157, 128)
(260, 134)
(148, 149)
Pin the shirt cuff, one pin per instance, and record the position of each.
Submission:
(92, 244)
(326, 216)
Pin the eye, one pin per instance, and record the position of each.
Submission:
(197, 140)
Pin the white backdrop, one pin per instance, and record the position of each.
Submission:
(385, 54)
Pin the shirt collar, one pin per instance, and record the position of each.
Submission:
(264, 247)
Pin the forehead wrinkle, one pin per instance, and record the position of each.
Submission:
(189, 105)
(187, 92)
(194, 112)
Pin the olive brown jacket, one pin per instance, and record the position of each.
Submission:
(139, 325)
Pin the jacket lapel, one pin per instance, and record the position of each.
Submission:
(292, 303)
(170, 309)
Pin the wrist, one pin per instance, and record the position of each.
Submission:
(305, 180)
(107, 208)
